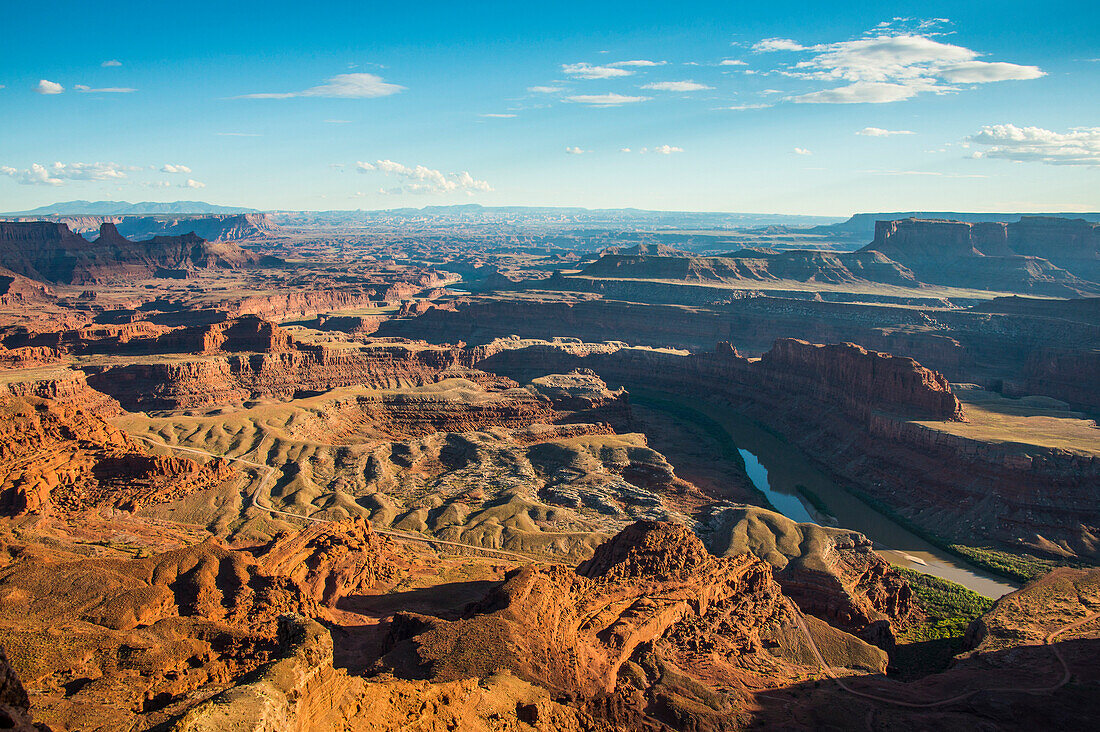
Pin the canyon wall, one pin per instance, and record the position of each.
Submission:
(853, 410)
(985, 345)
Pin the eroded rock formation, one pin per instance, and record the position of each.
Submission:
(834, 574)
(50, 252)
(55, 457)
(652, 630)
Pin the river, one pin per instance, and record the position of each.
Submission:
(777, 467)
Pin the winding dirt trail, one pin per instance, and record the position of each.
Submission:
(268, 474)
(840, 680)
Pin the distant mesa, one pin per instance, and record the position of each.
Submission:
(1037, 254)
(214, 227)
(50, 252)
(861, 226)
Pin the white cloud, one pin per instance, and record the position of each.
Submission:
(676, 86)
(48, 87)
(861, 92)
(104, 90)
(889, 68)
(879, 132)
(36, 175)
(190, 183)
(574, 151)
(667, 149)
(545, 89)
(421, 179)
(738, 107)
(777, 44)
(624, 149)
(605, 100)
(112, 62)
(156, 184)
(639, 62)
(1079, 146)
(497, 116)
(344, 86)
(56, 174)
(587, 71)
(170, 168)
(801, 151)
(732, 62)
(982, 72)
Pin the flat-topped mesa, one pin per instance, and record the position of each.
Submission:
(233, 377)
(1041, 254)
(246, 334)
(51, 252)
(860, 380)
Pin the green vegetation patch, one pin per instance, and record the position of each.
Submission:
(929, 646)
(949, 608)
(1020, 567)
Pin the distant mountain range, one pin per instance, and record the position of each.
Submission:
(125, 208)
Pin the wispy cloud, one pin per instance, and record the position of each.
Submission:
(638, 62)
(170, 168)
(769, 45)
(45, 86)
(588, 71)
(879, 132)
(667, 149)
(574, 151)
(423, 180)
(921, 173)
(104, 90)
(342, 86)
(1079, 146)
(110, 63)
(676, 86)
(732, 62)
(545, 89)
(801, 151)
(605, 100)
(495, 115)
(739, 107)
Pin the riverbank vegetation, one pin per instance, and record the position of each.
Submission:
(929, 643)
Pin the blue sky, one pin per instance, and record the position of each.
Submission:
(815, 108)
